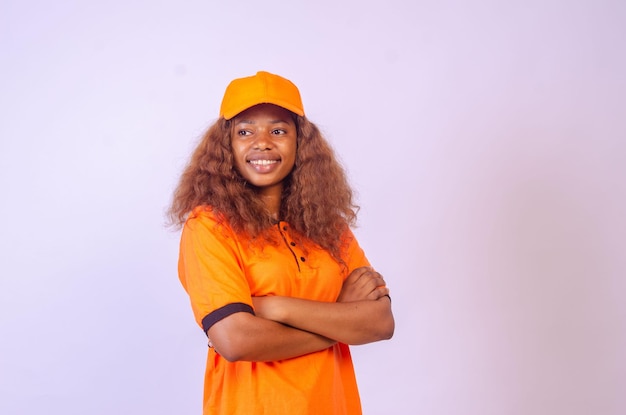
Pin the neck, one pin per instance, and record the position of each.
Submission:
(271, 198)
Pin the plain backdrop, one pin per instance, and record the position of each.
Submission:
(486, 141)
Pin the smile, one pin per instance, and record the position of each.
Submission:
(262, 162)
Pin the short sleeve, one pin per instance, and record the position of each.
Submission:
(210, 269)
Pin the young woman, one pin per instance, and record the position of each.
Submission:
(275, 276)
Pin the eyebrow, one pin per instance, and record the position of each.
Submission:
(277, 121)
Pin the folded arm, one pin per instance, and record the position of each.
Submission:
(361, 315)
(357, 322)
(244, 336)
(286, 327)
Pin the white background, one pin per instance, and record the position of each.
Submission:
(486, 141)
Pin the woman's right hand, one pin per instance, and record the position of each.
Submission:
(363, 283)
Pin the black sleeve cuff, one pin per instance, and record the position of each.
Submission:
(223, 312)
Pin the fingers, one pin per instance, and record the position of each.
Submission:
(357, 273)
(370, 280)
(364, 283)
(363, 275)
(379, 292)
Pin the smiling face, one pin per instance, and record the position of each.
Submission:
(264, 147)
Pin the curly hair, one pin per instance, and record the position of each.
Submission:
(317, 200)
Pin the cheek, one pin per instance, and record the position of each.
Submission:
(237, 150)
(292, 152)
(237, 166)
(237, 157)
(289, 160)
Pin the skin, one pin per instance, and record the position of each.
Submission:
(362, 314)
(264, 147)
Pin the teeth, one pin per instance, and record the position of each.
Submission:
(263, 162)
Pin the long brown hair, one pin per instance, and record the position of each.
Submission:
(317, 200)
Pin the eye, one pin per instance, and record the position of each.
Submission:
(279, 131)
(243, 133)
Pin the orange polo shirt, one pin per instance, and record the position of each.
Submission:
(221, 271)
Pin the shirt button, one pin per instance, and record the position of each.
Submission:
(284, 228)
(293, 244)
(302, 259)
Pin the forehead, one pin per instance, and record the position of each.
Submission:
(264, 112)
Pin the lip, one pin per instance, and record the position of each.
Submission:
(266, 156)
(263, 163)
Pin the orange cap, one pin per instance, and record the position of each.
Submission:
(262, 88)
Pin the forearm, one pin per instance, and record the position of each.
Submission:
(244, 337)
(356, 322)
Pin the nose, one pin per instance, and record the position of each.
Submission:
(263, 141)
